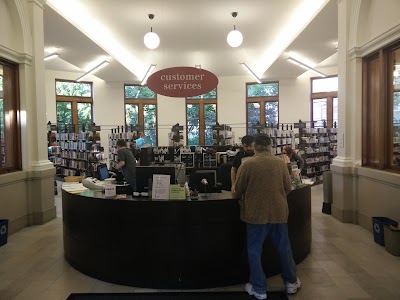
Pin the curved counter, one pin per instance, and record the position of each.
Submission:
(171, 244)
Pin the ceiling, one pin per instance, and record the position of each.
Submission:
(191, 32)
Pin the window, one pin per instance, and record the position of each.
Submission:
(201, 115)
(262, 101)
(381, 108)
(324, 101)
(10, 137)
(74, 105)
(141, 110)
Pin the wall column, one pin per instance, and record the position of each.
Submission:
(41, 170)
(344, 206)
(36, 116)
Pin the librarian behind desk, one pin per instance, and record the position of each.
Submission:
(171, 244)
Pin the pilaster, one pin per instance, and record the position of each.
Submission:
(36, 117)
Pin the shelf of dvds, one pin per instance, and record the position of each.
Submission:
(129, 134)
(318, 147)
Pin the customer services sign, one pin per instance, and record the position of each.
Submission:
(182, 82)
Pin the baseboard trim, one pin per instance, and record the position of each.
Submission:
(37, 218)
(344, 216)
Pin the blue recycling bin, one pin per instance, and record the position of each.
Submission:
(378, 228)
(3, 231)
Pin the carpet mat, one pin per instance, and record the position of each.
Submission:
(175, 296)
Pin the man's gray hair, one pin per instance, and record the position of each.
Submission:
(262, 142)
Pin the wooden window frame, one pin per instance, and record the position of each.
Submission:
(13, 128)
(262, 100)
(329, 101)
(141, 102)
(384, 114)
(201, 103)
(74, 100)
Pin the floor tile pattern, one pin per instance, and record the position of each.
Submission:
(344, 263)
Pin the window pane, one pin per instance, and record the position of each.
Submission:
(263, 89)
(396, 109)
(335, 112)
(329, 84)
(132, 114)
(210, 95)
(139, 92)
(150, 122)
(84, 114)
(253, 116)
(193, 125)
(10, 151)
(2, 126)
(64, 115)
(210, 119)
(319, 111)
(67, 88)
(271, 112)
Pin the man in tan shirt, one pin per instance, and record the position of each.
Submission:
(263, 181)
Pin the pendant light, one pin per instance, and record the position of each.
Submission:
(151, 39)
(235, 37)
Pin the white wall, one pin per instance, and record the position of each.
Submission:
(379, 16)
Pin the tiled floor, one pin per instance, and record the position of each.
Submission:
(344, 263)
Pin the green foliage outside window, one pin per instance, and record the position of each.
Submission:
(271, 113)
(263, 89)
(64, 114)
(193, 116)
(150, 125)
(210, 95)
(77, 89)
(210, 119)
(132, 114)
(253, 116)
(84, 114)
(138, 92)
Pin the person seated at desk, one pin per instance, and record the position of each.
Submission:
(293, 157)
(127, 164)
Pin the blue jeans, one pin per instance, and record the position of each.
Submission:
(256, 235)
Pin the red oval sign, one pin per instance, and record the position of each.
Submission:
(182, 82)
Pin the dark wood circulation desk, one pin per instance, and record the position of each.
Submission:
(171, 244)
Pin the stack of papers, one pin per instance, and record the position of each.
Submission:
(73, 187)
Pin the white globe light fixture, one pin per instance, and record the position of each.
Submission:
(235, 37)
(151, 39)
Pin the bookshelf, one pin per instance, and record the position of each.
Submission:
(318, 147)
(127, 133)
(175, 137)
(222, 135)
(77, 153)
(282, 135)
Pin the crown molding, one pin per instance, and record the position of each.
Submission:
(381, 41)
(21, 58)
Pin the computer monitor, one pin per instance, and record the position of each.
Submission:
(197, 177)
(144, 176)
(102, 170)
